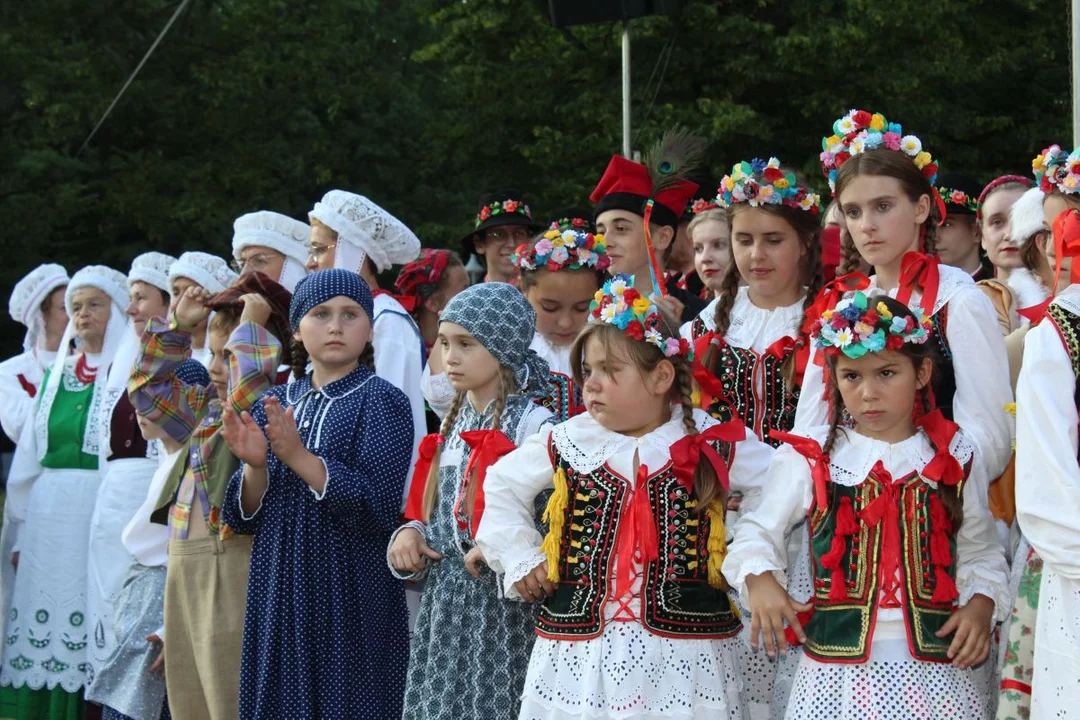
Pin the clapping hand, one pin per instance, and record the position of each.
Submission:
(244, 437)
(281, 431)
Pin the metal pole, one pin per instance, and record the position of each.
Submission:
(626, 86)
(1075, 27)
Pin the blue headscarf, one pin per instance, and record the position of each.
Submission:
(320, 286)
(503, 321)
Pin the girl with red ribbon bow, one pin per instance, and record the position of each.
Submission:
(634, 619)
(891, 210)
(469, 648)
(907, 571)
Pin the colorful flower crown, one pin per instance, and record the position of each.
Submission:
(958, 198)
(859, 131)
(854, 330)
(1056, 169)
(502, 208)
(619, 304)
(763, 183)
(563, 250)
(570, 223)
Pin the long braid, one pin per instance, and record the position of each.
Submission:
(930, 234)
(706, 484)
(850, 257)
(506, 386)
(431, 488)
(729, 289)
(815, 279)
(299, 359)
(836, 411)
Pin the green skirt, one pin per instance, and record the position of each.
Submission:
(27, 704)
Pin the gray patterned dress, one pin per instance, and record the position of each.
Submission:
(470, 648)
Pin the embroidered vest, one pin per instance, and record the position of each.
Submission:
(1068, 327)
(676, 597)
(943, 381)
(736, 369)
(564, 401)
(842, 625)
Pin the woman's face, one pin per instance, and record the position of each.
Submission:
(712, 252)
(769, 255)
(147, 302)
(54, 313)
(996, 239)
(90, 310)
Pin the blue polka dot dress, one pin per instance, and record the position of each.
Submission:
(326, 633)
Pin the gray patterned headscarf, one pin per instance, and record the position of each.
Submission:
(503, 321)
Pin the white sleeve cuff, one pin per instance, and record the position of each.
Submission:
(326, 485)
(519, 569)
(418, 527)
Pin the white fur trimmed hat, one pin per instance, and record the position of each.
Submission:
(32, 290)
(363, 224)
(273, 230)
(1026, 216)
(151, 268)
(209, 271)
(111, 282)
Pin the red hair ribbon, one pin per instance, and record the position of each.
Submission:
(686, 452)
(816, 457)
(785, 345)
(919, 269)
(940, 202)
(1066, 244)
(487, 447)
(830, 294)
(708, 382)
(943, 468)
(414, 506)
(637, 529)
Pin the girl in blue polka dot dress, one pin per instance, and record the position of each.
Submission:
(324, 466)
(470, 648)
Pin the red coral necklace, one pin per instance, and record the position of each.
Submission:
(83, 372)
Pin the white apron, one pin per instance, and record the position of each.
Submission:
(122, 491)
(47, 632)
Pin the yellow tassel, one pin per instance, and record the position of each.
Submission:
(553, 516)
(717, 544)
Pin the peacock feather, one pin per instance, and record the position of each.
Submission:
(676, 156)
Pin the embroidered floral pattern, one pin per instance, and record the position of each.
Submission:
(506, 207)
(959, 198)
(761, 182)
(858, 132)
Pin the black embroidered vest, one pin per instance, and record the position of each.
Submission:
(676, 597)
(1068, 327)
(842, 630)
(564, 400)
(943, 380)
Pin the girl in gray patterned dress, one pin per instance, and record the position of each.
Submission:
(470, 648)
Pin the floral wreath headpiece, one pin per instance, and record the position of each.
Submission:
(619, 304)
(504, 207)
(571, 223)
(860, 131)
(698, 206)
(760, 182)
(855, 329)
(958, 198)
(564, 250)
(1056, 169)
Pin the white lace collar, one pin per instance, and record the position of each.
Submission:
(708, 315)
(1069, 298)
(951, 280)
(757, 328)
(854, 455)
(586, 445)
(556, 356)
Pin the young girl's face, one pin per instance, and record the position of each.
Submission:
(149, 430)
(712, 252)
(335, 332)
(218, 367)
(881, 218)
(879, 391)
(1054, 205)
(469, 365)
(1003, 253)
(957, 240)
(769, 254)
(619, 395)
(561, 300)
(624, 233)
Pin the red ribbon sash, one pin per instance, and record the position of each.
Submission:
(686, 453)
(919, 270)
(487, 447)
(816, 457)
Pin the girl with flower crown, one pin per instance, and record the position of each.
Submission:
(907, 570)
(883, 180)
(561, 272)
(634, 620)
(1038, 677)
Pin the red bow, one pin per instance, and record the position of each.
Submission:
(818, 459)
(710, 385)
(407, 302)
(686, 452)
(919, 269)
(637, 529)
(28, 386)
(1066, 244)
(830, 294)
(414, 507)
(1035, 313)
(943, 468)
(784, 346)
(487, 447)
(887, 503)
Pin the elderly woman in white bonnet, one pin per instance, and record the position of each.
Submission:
(273, 244)
(51, 492)
(126, 460)
(351, 232)
(200, 270)
(38, 303)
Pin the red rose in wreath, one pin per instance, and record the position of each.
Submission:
(862, 119)
(630, 295)
(485, 213)
(773, 174)
(894, 342)
(578, 222)
(635, 331)
(958, 197)
(510, 206)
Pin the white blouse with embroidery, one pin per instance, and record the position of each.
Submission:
(752, 327)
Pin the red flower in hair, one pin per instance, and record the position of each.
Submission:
(842, 157)
(861, 119)
(485, 213)
(578, 222)
(773, 174)
(635, 331)
(684, 346)
(930, 170)
(871, 317)
(630, 295)
(552, 265)
(510, 206)
(894, 342)
(596, 312)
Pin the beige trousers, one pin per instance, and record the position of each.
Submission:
(205, 598)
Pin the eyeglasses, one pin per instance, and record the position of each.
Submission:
(316, 252)
(517, 234)
(256, 262)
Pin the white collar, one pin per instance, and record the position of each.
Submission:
(749, 323)
(951, 280)
(586, 444)
(556, 356)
